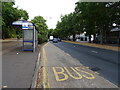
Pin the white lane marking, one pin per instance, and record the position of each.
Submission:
(5, 86)
(68, 54)
(94, 51)
(38, 59)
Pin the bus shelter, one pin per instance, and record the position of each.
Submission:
(29, 35)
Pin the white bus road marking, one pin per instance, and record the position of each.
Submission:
(94, 51)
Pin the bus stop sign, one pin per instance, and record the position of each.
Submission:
(25, 25)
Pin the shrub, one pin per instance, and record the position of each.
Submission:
(42, 39)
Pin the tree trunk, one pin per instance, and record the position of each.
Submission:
(90, 38)
(74, 37)
(3, 36)
(105, 39)
(94, 38)
(101, 37)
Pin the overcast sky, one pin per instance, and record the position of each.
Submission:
(51, 10)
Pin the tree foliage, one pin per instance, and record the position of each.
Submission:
(91, 17)
(41, 26)
(9, 15)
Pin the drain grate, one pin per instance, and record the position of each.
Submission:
(95, 69)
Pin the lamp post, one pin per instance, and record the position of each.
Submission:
(117, 29)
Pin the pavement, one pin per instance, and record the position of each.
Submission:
(18, 67)
(67, 65)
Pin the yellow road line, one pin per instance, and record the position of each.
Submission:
(46, 82)
(46, 44)
(97, 72)
(47, 68)
(96, 45)
(87, 67)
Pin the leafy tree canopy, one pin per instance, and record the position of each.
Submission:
(40, 24)
(9, 15)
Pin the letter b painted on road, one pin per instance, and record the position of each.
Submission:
(62, 72)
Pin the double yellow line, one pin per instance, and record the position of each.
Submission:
(46, 82)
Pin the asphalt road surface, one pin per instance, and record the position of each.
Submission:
(67, 65)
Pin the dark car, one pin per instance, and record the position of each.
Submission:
(59, 39)
(55, 40)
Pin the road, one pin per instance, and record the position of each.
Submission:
(67, 65)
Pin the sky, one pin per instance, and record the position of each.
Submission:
(51, 10)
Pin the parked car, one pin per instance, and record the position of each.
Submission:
(59, 39)
(55, 40)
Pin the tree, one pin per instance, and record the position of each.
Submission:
(10, 14)
(40, 24)
(92, 18)
(97, 17)
(50, 32)
(42, 28)
(66, 26)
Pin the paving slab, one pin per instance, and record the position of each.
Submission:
(18, 66)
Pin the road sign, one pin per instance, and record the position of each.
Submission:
(25, 25)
